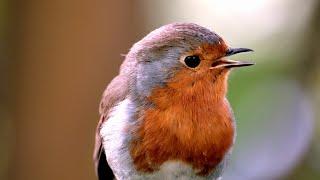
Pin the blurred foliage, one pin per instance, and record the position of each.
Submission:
(300, 64)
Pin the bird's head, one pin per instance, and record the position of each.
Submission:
(183, 56)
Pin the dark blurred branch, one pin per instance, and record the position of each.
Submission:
(310, 48)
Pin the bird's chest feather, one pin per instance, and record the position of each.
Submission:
(189, 125)
(116, 142)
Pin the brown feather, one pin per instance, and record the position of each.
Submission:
(115, 92)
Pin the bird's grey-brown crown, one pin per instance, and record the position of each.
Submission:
(181, 32)
(184, 35)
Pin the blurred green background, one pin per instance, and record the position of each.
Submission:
(57, 57)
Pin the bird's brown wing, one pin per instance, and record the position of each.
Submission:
(116, 91)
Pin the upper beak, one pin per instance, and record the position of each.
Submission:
(232, 51)
(232, 63)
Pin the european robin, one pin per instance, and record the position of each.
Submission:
(166, 116)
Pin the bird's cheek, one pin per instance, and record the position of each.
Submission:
(205, 64)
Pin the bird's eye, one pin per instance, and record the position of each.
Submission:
(192, 61)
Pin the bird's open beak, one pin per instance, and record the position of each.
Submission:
(228, 63)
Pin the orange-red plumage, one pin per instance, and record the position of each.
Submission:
(190, 120)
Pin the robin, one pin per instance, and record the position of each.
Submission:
(166, 116)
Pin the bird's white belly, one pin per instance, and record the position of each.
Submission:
(116, 139)
(174, 170)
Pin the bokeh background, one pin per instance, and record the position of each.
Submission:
(57, 57)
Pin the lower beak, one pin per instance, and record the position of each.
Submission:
(227, 63)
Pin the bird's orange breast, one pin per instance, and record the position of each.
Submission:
(190, 122)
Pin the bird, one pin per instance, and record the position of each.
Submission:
(166, 115)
